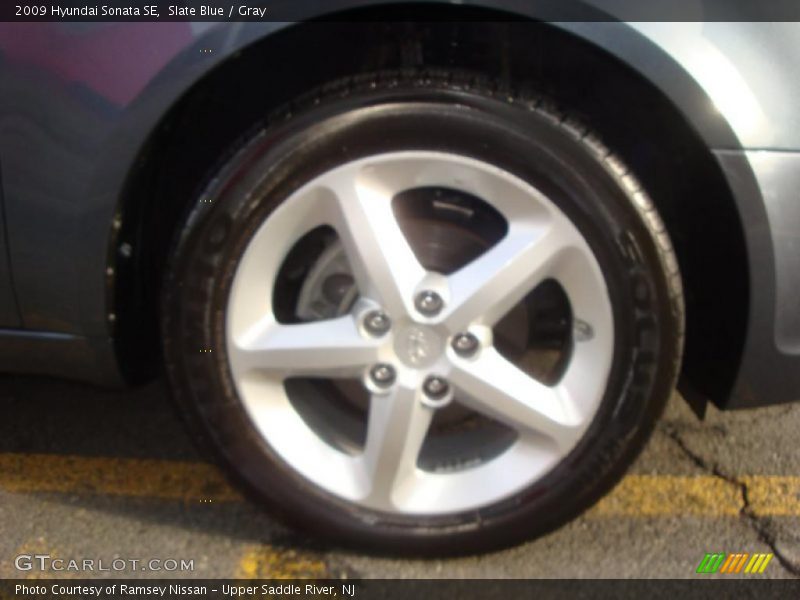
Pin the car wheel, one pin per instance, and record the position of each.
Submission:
(420, 313)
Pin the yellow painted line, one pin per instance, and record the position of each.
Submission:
(268, 562)
(636, 495)
(161, 479)
(775, 496)
(663, 495)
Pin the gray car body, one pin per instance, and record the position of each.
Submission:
(66, 158)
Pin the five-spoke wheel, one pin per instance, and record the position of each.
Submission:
(418, 339)
(442, 318)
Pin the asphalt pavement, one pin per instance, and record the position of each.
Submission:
(91, 474)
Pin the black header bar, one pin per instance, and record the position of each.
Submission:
(383, 10)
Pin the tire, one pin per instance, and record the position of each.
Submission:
(238, 255)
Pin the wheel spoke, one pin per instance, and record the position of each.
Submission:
(398, 424)
(496, 387)
(383, 263)
(330, 348)
(487, 288)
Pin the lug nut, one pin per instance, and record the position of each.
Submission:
(382, 375)
(429, 303)
(465, 344)
(435, 388)
(377, 322)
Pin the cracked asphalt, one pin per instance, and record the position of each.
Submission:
(90, 473)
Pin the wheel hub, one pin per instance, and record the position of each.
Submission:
(418, 346)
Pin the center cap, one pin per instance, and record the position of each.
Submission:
(418, 346)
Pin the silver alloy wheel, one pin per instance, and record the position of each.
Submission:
(355, 199)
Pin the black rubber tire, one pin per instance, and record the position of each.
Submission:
(445, 112)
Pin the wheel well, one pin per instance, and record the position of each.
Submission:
(631, 115)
